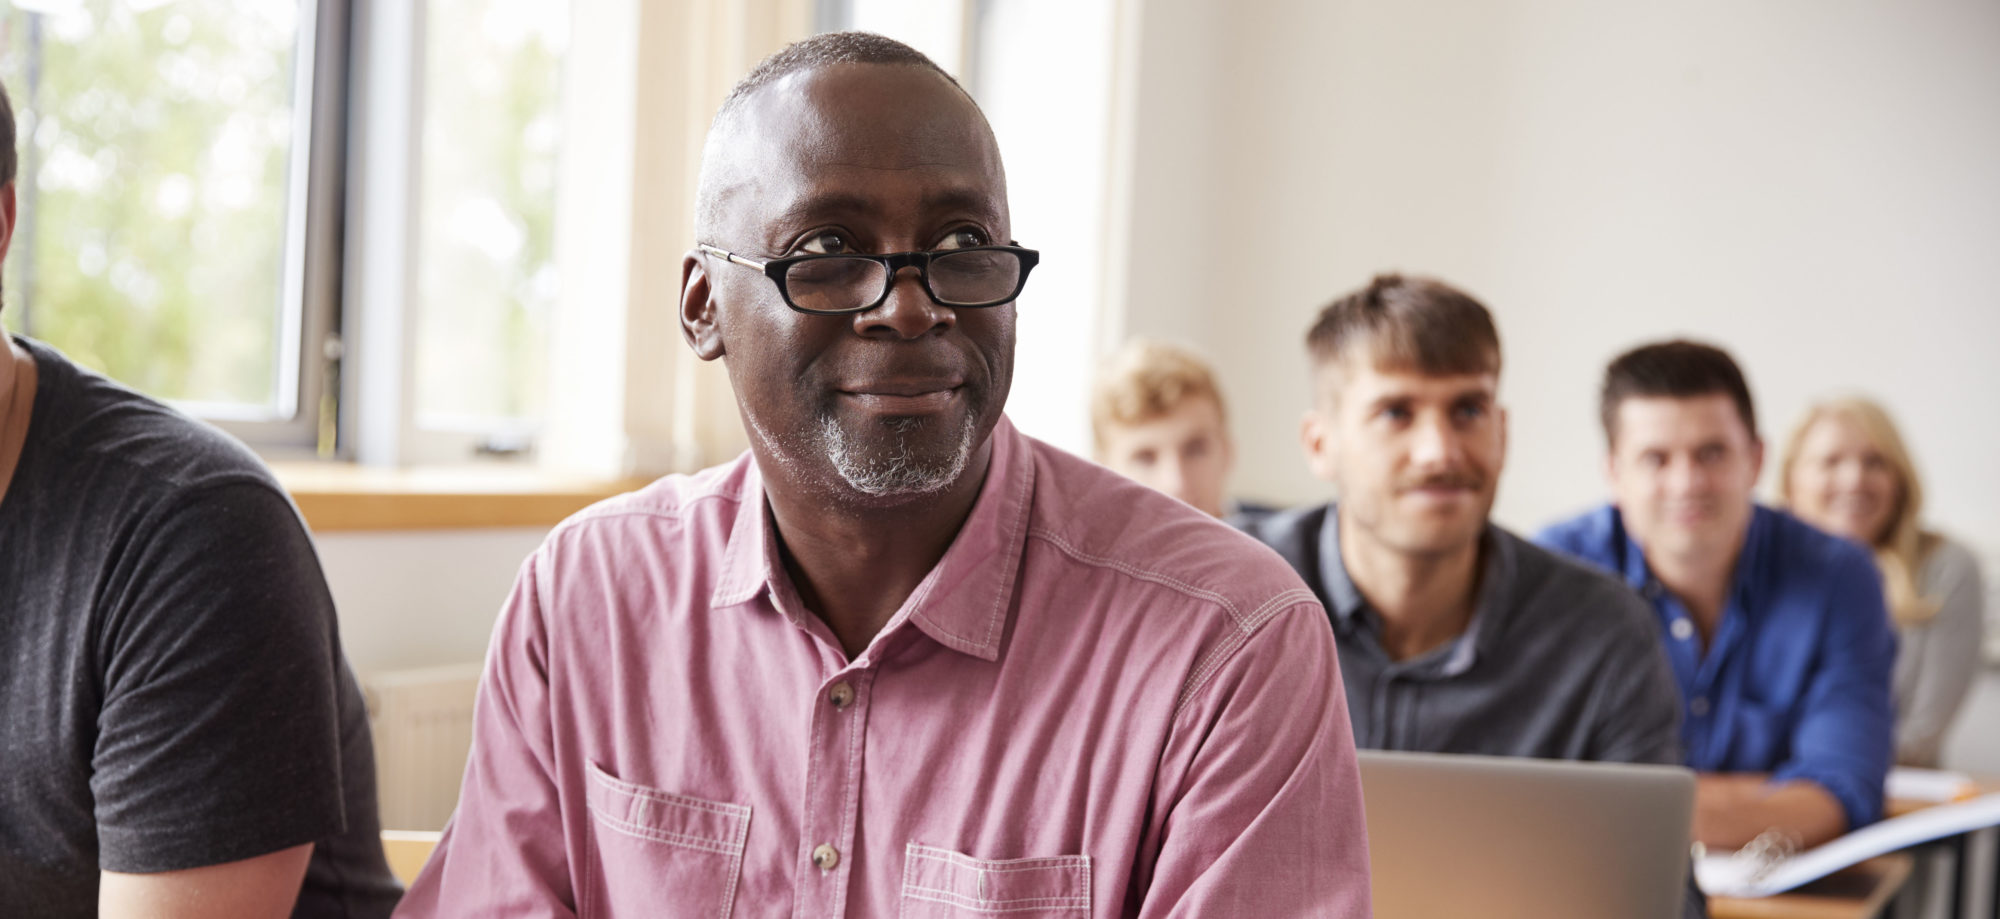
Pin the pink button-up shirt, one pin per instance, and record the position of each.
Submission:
(1099, 703)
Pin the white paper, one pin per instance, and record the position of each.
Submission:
(1928, 785)
(1734, 876)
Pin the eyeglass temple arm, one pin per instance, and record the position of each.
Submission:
(731, 256)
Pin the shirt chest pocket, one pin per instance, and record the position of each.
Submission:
(942, 884)
(653, 853)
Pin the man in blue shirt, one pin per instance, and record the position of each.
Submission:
(1776, 632)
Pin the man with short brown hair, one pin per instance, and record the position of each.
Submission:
(1780, 643)
(1455, 635)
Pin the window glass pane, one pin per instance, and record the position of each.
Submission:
(156, 144)
(486, 252)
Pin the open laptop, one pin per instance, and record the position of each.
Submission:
(1500, 838)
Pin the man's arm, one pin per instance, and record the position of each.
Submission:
(1260, 789)
(504, 852)
(263, 887)
(1843, 740)
(1731, 809)
(217, 735)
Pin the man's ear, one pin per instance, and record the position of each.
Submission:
(699, 324)
(1317, 440)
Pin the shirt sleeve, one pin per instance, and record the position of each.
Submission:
(1262, 795)
(218, 731)
(504, 851)
(1636, 707)
(1843, 739)
(1942, 656)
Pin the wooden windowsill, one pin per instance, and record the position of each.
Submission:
(343, 497)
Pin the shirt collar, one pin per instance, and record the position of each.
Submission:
(1482, 631)
(1743, 579)
(963, 603)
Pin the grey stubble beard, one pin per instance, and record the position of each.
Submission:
(900, 473)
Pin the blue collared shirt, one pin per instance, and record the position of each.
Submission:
(1796, 681)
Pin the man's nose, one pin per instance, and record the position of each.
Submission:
(1687, 477)
(1434, 443)
(907, 313)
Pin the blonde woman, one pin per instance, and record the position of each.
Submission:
(1846, 471)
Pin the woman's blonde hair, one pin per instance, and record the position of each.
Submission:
(1902, 545)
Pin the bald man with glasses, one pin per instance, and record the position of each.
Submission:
(898, 659)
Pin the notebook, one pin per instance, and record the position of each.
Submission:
(1504, 838)
(1762, 870)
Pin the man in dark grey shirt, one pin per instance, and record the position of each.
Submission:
(182, 735)
(1455, 635)
(1553, 662)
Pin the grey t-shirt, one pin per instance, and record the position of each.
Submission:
(170, 670)
(1558, 661)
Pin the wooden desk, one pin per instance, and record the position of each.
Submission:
(1859, 892)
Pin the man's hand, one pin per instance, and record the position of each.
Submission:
(255, 888)
(1730, 809)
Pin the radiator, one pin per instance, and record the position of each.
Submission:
(422, 720)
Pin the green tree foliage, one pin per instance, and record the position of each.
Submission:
(156, 143)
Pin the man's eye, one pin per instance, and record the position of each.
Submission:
(826, 243)
(962, 238)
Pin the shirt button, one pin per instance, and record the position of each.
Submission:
(826, 857)
(841, 695)
(1682, 629)
(1699, 706)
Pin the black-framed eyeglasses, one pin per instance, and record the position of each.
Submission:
(833, 285)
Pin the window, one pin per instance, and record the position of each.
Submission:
(486, 276)
(161, 229)
(196, 187)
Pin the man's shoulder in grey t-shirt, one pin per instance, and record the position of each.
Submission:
(176, 695)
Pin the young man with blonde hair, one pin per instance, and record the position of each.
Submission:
(1157, 417)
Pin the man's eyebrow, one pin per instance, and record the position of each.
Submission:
(1389, 399)
(829, 202)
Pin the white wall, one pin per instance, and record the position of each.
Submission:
(1814, 185)
(421, 598)
(1810, 184)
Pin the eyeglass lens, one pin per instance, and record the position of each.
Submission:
(977, 276)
